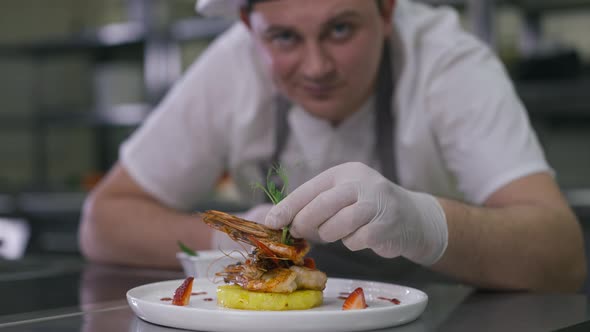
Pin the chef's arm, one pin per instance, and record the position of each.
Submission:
(526, 237)
(123, 224)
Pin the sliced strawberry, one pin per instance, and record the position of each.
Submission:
(182, 294)
(356, 300)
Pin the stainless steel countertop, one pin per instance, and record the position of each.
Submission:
(91, 298)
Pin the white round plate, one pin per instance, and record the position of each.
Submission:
(203, 314)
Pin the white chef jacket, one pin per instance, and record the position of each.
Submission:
(461, 131)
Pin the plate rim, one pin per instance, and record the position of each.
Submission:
(219, 319)
(424, 299)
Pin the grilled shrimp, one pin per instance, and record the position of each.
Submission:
(272, 266)
(267, 240)
(278, 280)
(307, 278)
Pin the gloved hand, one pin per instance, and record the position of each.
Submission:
(354, 203)
(257, 214)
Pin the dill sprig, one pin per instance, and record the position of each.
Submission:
(276, 194)
(271, 190)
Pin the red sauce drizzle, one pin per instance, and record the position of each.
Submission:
(199, 293)
(393, 300)
(343, 297)
(166, 299)
(208, 299)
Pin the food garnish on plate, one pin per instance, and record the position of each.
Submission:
(186, 249)
(182, 295)
(355, 300)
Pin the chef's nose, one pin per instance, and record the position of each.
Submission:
(317, 62)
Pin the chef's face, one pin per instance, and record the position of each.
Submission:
(322, 54)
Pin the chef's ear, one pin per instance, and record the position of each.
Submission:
(387, 8)
(245, 17)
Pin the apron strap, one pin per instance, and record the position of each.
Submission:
(281, 135)
(282, 130)
(385, 121)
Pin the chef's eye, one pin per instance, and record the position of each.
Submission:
(283, 39)
(341, 31)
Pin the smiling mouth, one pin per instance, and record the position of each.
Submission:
(319, 90)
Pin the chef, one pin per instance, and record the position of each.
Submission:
(401, 133)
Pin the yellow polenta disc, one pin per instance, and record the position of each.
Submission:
(235, 297)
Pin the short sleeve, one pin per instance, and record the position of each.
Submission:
(181, 150)
(480, 123)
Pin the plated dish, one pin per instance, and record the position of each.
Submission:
(275, 275)
(388, 305)
(274, 287)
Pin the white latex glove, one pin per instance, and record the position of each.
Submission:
(354, 203)
(257, 214)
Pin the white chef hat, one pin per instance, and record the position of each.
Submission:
(220, 8)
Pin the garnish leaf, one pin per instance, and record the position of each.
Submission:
(186, 249)
(276, 195)
(286, 237)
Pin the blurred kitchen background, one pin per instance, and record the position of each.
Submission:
(78, 76)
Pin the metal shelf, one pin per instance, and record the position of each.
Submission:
(202, 28)
(579, 200)
(117, 35)
(112, 35)
(526, 5)
(565, 99)
(549, 5)
(481, 13)
(7, 205)
(153, 40)
(445, 2)
(124, 115)
(50, 203)
(13, 121)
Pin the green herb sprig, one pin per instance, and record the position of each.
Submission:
(271, 190)
(276, 194)
(187, 250)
